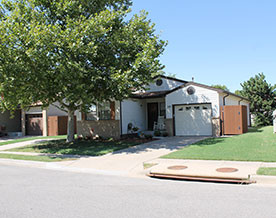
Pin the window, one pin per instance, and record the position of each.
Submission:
(104, 111)
(92, 115)
(188, 108)
(159, 82)
(205, 108)
(101, 111)
(191, 90)
(162, 111)
(196, 107)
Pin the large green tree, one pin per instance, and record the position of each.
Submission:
(263, 99)
(223, 87)
(75, 52)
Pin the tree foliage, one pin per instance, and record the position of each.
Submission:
(74, 52)
(223, 87)
(263, 99)
(238, 92)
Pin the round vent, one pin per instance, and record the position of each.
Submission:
(191, 90)
(159, 82)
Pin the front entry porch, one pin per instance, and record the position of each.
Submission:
(148, 115)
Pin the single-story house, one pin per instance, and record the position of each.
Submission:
(185, 109)
(179, 107)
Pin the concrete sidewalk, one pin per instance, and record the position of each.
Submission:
(130, 161)
(22, 144)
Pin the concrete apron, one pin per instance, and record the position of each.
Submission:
(205, 170)
(130, 161)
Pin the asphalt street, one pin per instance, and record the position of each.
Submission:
(41, 193)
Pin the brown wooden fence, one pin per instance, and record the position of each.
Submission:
(57, 125)
(234, 119)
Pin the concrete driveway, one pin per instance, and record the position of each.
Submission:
(130, 161)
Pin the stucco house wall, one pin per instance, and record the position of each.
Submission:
(133, 111)
(201, 95)
(167, 84)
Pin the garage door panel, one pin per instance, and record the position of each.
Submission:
(193, 120)
(34, 124)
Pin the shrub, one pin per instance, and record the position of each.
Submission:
(135, 129)
(157, 133)
(148, 136)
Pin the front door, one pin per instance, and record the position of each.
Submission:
(152, 114)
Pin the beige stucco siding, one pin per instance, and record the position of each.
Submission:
(201, 95)
(167, 84)
(133, 111)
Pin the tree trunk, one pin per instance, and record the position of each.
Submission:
(70, 126)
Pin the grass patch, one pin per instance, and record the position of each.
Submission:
(34, 158)
(79, 147)
(32, 138)
(259, 144)
(149, 165)
(267, 171)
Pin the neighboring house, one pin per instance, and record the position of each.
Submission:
(34, 121)
(187, 108)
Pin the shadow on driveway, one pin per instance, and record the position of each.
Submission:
(168, 143)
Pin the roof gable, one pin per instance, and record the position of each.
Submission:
(164, 83)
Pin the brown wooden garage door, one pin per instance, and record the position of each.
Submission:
(34, 124)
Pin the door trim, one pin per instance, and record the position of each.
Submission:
(152, 103)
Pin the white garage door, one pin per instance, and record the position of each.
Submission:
(193, 120)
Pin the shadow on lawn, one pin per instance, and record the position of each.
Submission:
(255, 129)
(98, 148)
(86, 148)
(210, 141)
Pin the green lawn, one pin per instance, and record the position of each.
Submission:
(259, 144)
(267, 171)
(33, 158)
(32, 138)
(91, 148)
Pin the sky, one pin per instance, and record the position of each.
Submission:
(216, 41)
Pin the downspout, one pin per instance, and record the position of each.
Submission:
(240, 101)
(224, 97)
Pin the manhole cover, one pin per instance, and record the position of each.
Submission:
(178, 167)
(227, 170)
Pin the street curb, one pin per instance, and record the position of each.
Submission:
(55, 166)
(271, 180)
(201, 178)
